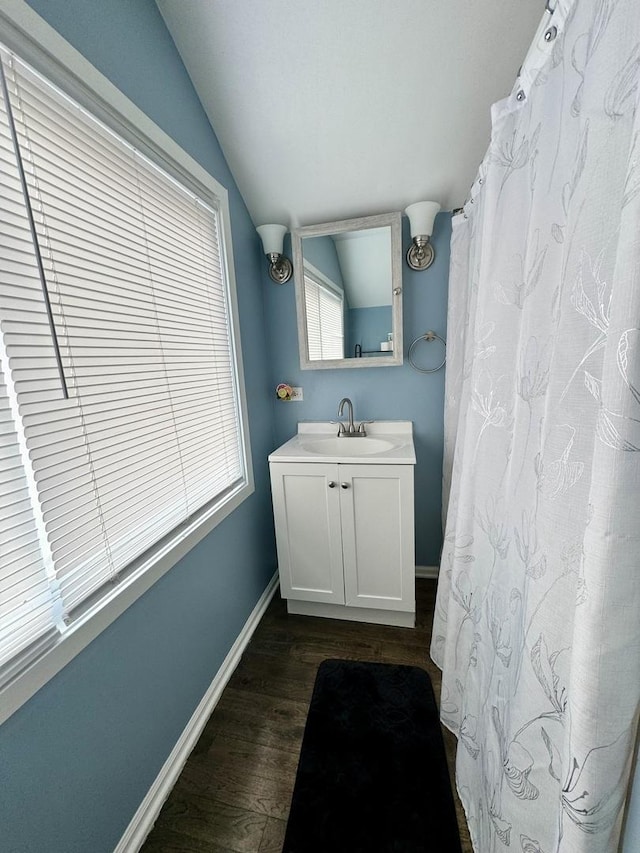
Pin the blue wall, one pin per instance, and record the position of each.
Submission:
(398, 393)
(368, 327)
(78, 758)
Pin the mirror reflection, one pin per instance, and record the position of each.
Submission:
(351, 272)
(344, 288)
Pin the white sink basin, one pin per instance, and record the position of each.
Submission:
(367, 446)
(386, 443)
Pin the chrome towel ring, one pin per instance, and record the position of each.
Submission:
(428, 336)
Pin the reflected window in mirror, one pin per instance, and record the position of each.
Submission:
(348, 278)
(325, 317)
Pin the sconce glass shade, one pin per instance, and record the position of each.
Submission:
(422, 214)
(421, 217)
(272, 236)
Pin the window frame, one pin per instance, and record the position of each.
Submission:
(22, 30)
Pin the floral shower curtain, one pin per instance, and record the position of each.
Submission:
(537, 626)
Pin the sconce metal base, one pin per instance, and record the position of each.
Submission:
(420, 254)
(280, 269)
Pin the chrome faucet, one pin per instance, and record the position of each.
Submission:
(349, 431)
(350, 428)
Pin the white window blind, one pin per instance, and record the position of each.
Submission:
(28, 606)
(29, 600)
(134, 268)
(325, 320)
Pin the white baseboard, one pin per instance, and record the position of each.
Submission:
(427, 571)
(149, 809)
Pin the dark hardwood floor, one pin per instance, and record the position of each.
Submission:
(235, 789)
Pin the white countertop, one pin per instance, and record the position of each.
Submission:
(397, 434)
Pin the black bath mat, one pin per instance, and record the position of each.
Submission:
(372, 776)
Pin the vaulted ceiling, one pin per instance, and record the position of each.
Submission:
(328, 109)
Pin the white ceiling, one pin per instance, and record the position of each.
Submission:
(328, 109)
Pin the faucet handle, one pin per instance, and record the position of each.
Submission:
(361, 428)
(341, 427)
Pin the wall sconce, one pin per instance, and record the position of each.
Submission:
(272, 236)
(420, 253)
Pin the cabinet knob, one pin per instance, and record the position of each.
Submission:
(345, 485)
(332, 485)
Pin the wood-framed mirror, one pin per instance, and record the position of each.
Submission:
(348, 283)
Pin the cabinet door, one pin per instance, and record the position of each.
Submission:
(378, 536)
(306, 509)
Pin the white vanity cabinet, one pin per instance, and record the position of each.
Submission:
(345, 535)
(306, 509)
